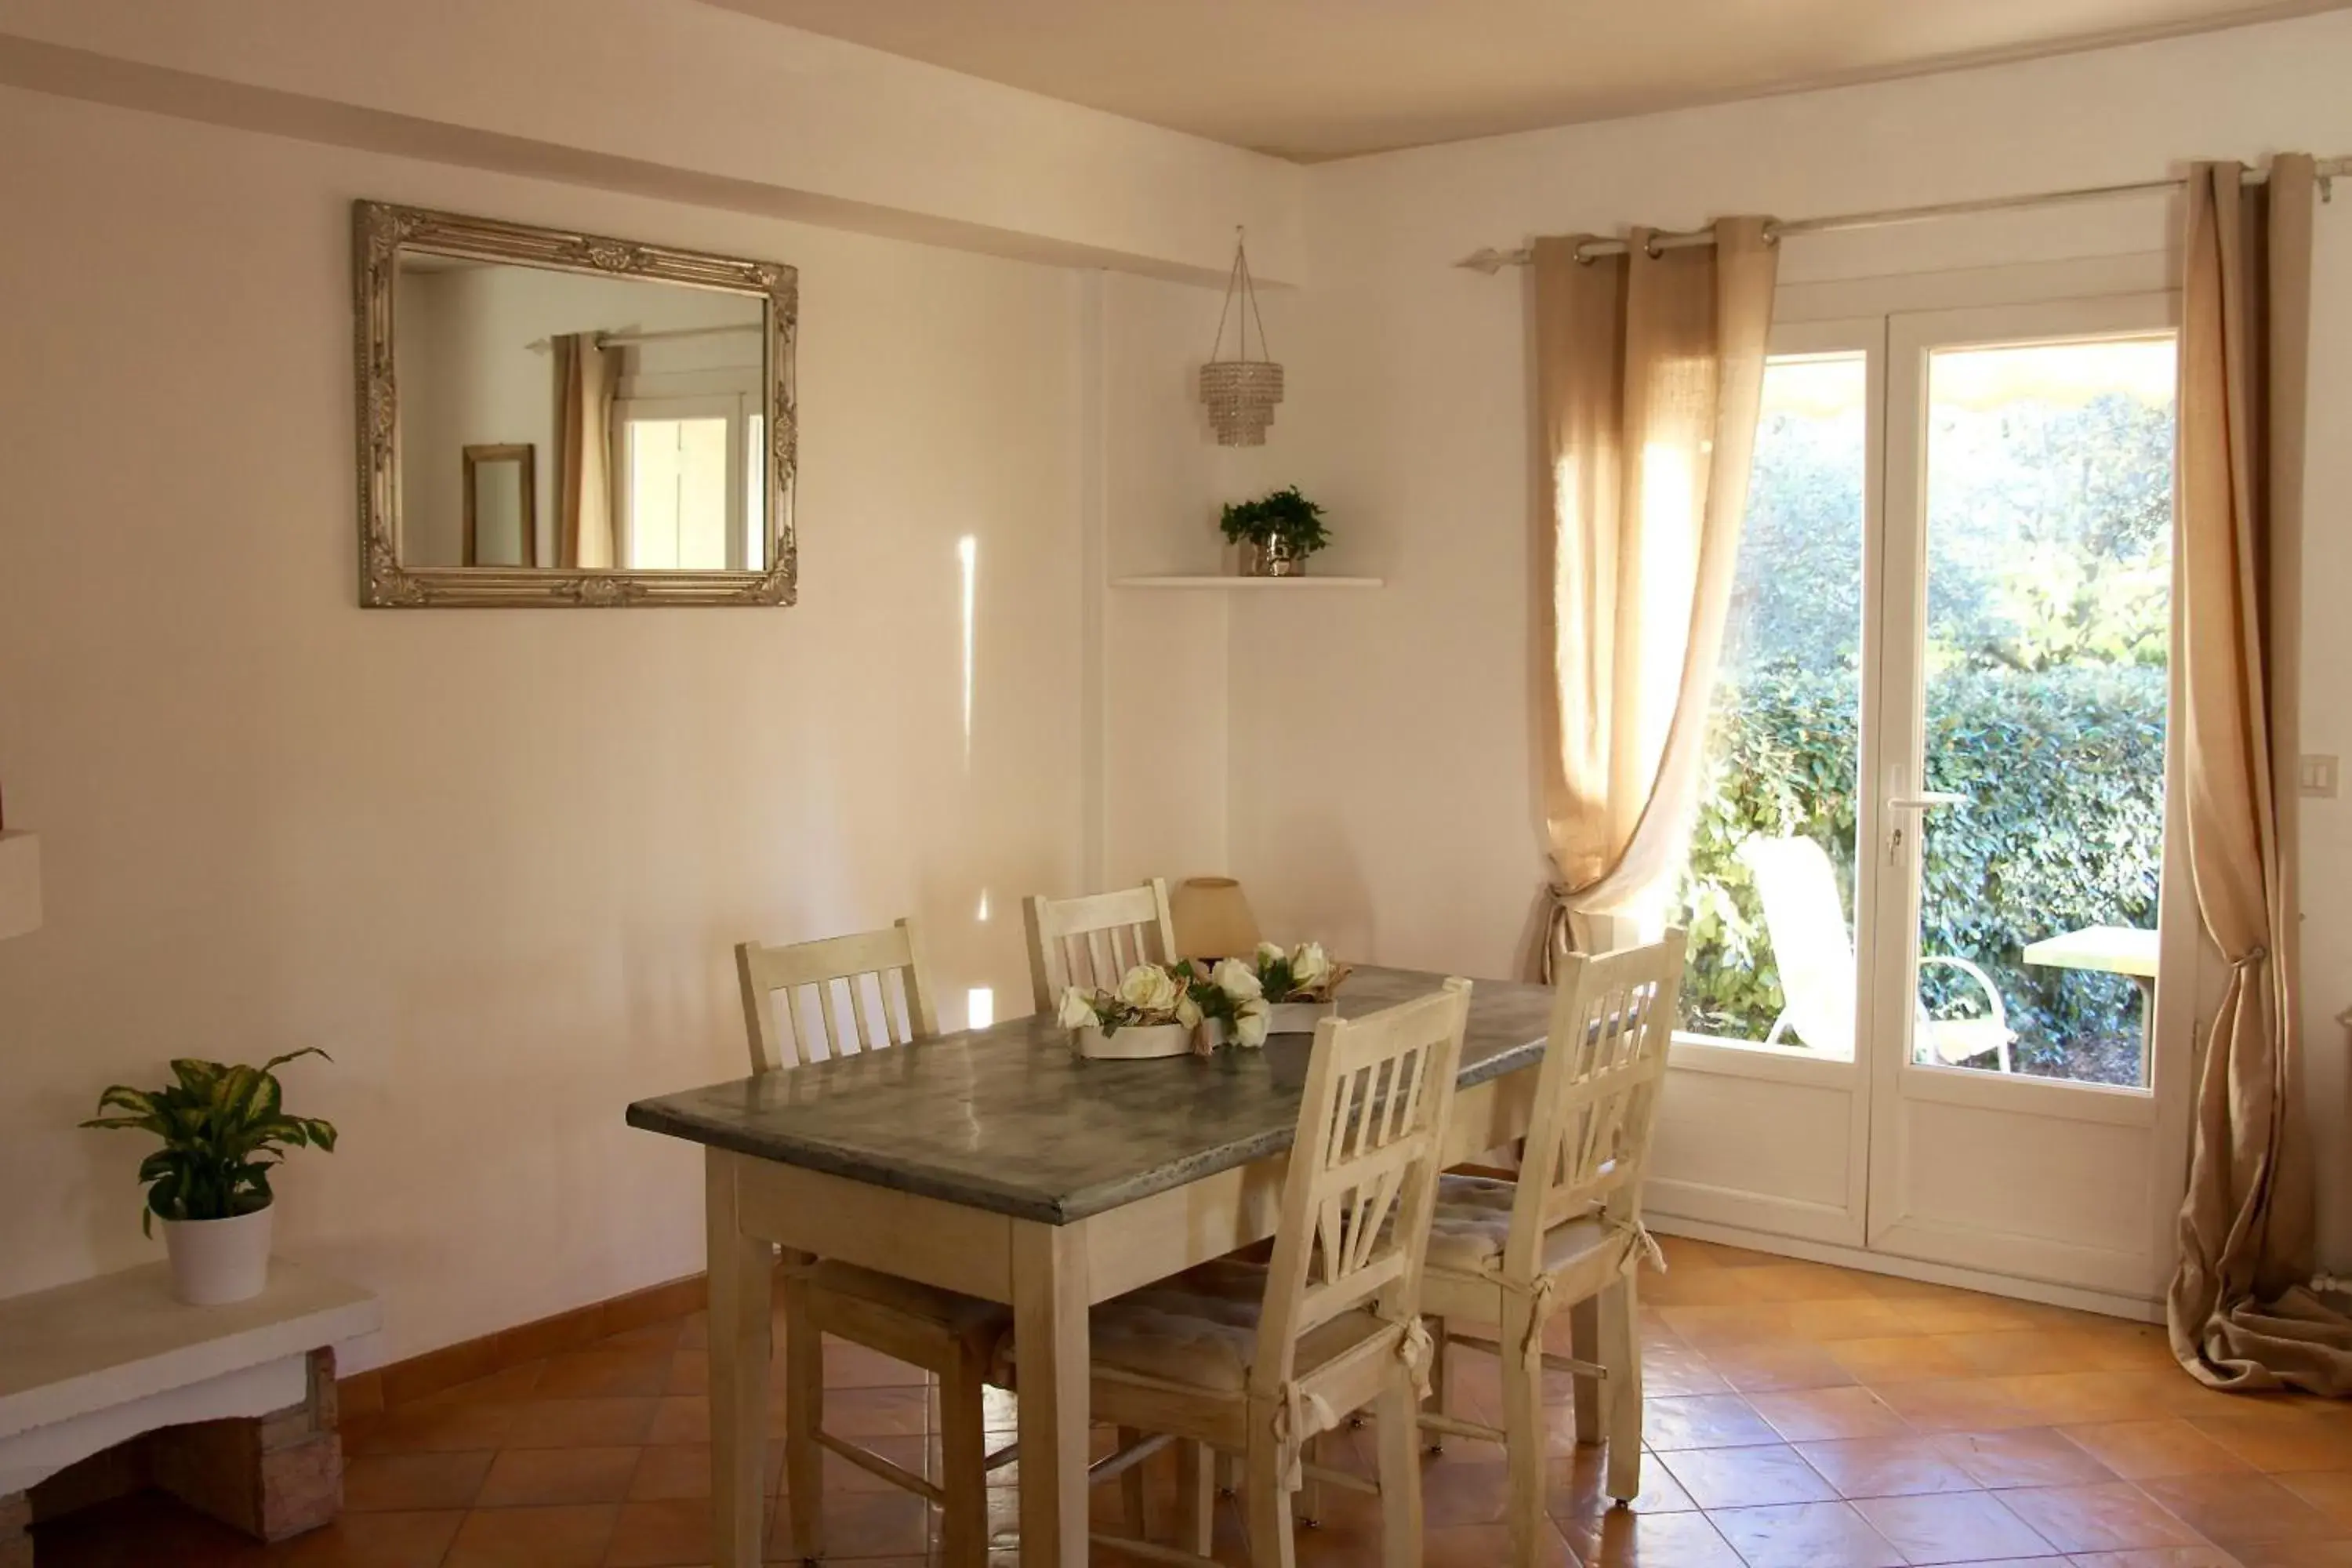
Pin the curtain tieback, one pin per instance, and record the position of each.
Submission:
(1559, 932)
(2251, 957)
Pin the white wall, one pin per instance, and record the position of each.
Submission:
(272, 819)
(1401, 814)
(680, 98)
(1164, 652)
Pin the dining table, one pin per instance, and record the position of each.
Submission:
(997, 1163)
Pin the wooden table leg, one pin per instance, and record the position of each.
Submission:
(742, 1331)
(1049, 1327)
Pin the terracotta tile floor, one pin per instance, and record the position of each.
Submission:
(1799, 1414)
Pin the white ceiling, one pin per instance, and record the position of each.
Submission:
(1328, 79)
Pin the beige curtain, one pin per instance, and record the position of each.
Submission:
(2241, 1314)
(1649, 367)
(585, 376)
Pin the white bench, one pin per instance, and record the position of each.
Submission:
(240, 1398)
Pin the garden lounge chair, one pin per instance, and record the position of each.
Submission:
(1815, 955)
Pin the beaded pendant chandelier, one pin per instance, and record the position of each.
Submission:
(1241, 391)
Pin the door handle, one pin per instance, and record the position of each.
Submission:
(1926, 798)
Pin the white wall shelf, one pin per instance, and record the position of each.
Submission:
(1249, 584)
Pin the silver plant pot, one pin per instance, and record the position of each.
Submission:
(1275, 558)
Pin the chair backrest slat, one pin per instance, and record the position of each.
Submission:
(1362, 1183)
(788, 1035)
(1596, 1094)
(1091, 941)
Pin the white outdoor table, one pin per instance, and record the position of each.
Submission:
(2111, 950)
(2108, 949)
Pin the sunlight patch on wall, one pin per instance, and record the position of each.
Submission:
(967, 551)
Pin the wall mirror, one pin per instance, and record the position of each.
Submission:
(550, 418)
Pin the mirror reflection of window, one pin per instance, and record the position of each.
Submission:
(677, 498)
(681, 503)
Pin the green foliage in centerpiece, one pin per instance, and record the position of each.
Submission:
(1304, 973)
(1153, 995)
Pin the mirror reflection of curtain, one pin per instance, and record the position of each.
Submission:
(585, 376)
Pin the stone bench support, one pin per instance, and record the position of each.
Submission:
(109, 1385)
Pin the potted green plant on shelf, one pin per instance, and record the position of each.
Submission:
(1276, 532)
(223, 1128)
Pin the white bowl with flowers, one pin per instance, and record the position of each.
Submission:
(1297, 987)
(1167, 1010)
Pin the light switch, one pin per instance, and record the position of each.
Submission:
(2317, 776)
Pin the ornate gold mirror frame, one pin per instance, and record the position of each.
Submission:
(380, 232)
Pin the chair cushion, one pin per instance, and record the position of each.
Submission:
(963, 1316)
(1199, 1328)
(1472, 1219)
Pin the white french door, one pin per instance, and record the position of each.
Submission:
(1930, 893)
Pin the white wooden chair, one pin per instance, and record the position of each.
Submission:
(1256, 1359)
(1093, 940)
(836, 1000)
(1806, 920)
(1567, 1233)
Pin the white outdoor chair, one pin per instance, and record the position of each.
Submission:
(1815, 957)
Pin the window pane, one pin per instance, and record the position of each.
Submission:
(677, 494)
(2049, 631)
(1768, 895)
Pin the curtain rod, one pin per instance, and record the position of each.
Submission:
(675, 333)
(604, 340)
(1489, 260)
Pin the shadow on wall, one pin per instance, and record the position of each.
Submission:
(1334, 906)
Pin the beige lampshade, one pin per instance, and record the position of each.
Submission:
(1212, 918)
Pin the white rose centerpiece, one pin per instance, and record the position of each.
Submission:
(1152, 1014)
(1298, 985)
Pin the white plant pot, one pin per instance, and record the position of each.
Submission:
(1136, 1042)
(1298, 1017)
(216, 1261)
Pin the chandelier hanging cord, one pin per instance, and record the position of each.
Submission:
(1238, 281)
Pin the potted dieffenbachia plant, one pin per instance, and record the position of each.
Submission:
(1276, 532)
(223, 1128)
